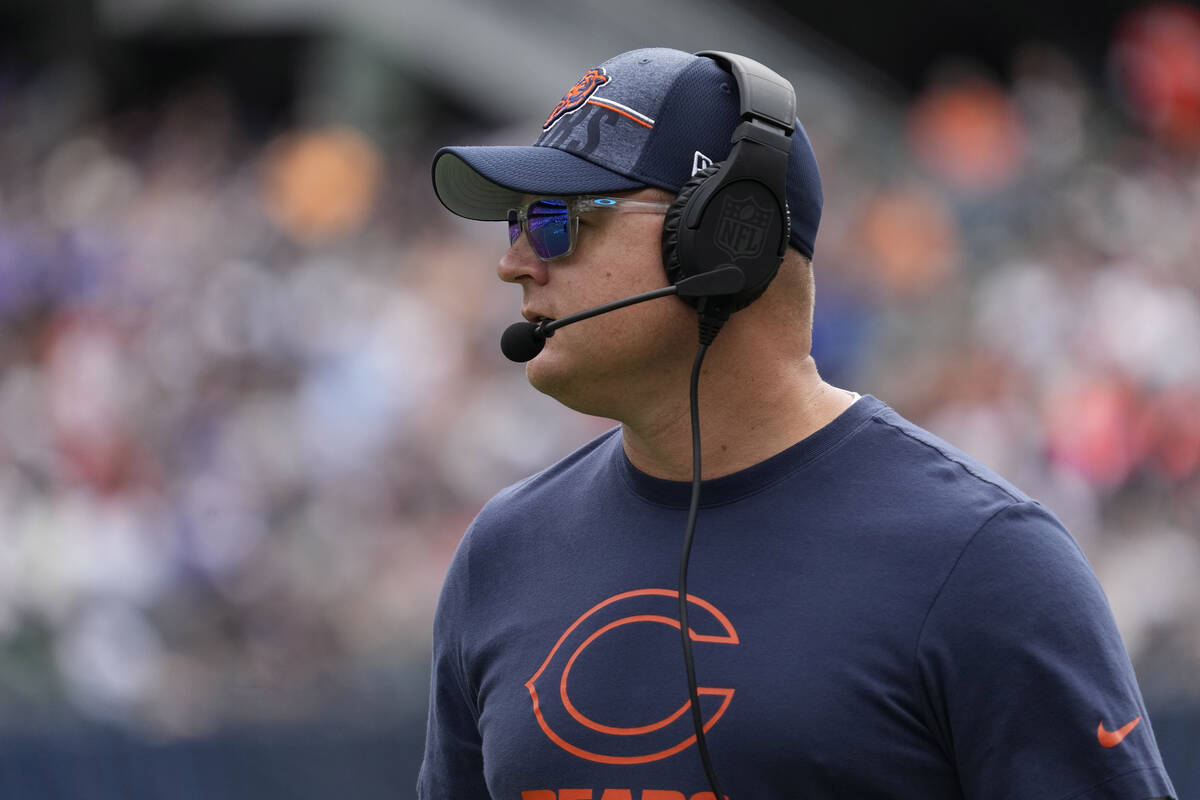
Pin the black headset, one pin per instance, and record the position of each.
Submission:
(735, 212)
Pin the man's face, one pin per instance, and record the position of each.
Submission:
(608, 363)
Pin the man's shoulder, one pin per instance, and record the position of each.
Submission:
(898, 476)
(520, 518)
(565, 481)
(935, 464)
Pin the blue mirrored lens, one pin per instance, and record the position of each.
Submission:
(514, 226)
(549, 228)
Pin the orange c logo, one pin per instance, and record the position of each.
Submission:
(654, 740)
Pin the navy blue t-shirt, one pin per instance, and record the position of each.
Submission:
(873, 615)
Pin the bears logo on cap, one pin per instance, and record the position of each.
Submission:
(577, 95)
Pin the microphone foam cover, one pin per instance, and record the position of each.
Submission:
(521, 341)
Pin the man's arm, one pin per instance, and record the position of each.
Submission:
(452, 768)
(1021, 661)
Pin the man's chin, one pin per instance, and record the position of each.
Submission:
(549, 375)
(569, 383)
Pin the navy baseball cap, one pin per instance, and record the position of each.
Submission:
(651, 117)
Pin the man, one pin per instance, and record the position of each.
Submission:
(872, 613)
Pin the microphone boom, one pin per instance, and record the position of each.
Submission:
(522, 341)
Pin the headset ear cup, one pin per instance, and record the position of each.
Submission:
(676, 269)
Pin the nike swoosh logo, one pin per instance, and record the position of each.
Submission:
(1114, 738)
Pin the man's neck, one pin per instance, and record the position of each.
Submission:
(742, 421)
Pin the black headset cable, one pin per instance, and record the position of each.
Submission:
(710, 326)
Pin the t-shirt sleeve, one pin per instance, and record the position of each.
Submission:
(1030, 691)
(452, 768)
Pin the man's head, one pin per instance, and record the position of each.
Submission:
(635, 128)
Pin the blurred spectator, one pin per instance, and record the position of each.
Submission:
(1155, 59)
(967, 132)
(251, 394)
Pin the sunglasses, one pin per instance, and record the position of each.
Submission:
(552, 223)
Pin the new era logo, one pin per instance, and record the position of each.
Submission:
(700, 162)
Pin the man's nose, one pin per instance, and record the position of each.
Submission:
(520, 262)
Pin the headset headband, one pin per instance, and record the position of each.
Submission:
(764, 94)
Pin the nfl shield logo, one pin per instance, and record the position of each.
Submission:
(742, 228)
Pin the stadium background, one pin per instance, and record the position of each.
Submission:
(250, 390)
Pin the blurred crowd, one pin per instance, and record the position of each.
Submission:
(251, 392)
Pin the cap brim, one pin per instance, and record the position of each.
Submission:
(485, 182)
